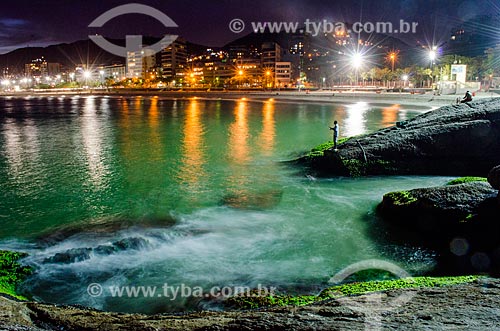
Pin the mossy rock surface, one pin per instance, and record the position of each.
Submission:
(319, 150)
(463, 180)
(254, 300)
(12, 273)
(401, 198)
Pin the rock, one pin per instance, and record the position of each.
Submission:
(130, 244)
(437, 207)
(460, 222)
(101, 227)
(452, 140)
(471, 306)
(81, 254)
(70, 256)
(494, 177)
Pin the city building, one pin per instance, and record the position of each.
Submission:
(270, 55)
(116, 72)
(243, 51)
(173, 59)
(216, 72)
(283, 74)
(53, 69)
(37, 68)
(139, 63)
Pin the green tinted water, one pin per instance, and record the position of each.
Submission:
(202, 182)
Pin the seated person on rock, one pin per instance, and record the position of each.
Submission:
(467, 97)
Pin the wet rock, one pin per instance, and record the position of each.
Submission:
(130, 244)
(452, 140)
(105, 250)
(101, 227)
(494, 177)
(460, 222)
(472, 306)
(81, 254)
(70, 256)
(437, 207)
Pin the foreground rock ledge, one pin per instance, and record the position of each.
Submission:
(469, 306)
(452, 140)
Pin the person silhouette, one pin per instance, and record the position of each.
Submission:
(466, 98)
(335, 130)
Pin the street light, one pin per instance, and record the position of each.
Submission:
(87, 74)
(432, 55)
(356, 62)
(405, 79)
(432, 58)
(392, 58)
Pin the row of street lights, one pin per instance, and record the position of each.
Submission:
(356, 60)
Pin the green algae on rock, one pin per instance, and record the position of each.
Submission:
(463, 180)
(401, 198)
(254, 300)
(12, 273)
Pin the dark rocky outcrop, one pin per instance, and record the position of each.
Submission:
(100, 228)
(494, 180)
(472, 306)
(494, 177)
(452, 140)
(81, 254)
(459, 221)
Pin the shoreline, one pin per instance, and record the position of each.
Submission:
(426, 100)
(468, 305)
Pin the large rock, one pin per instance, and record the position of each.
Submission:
(494, 177)
(459, 222)
(437, 207)
(81, 254)
(452, 140)
(471, 306)
(100, 227)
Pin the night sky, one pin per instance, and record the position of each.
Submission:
(41, 23)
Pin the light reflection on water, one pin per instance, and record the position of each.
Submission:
(213, 166)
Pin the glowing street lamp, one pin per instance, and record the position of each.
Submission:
(268, 76)
(87, 75)
(356, 62)
(393, 57)
(432, 58)
(405, 79)
(432, 55)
